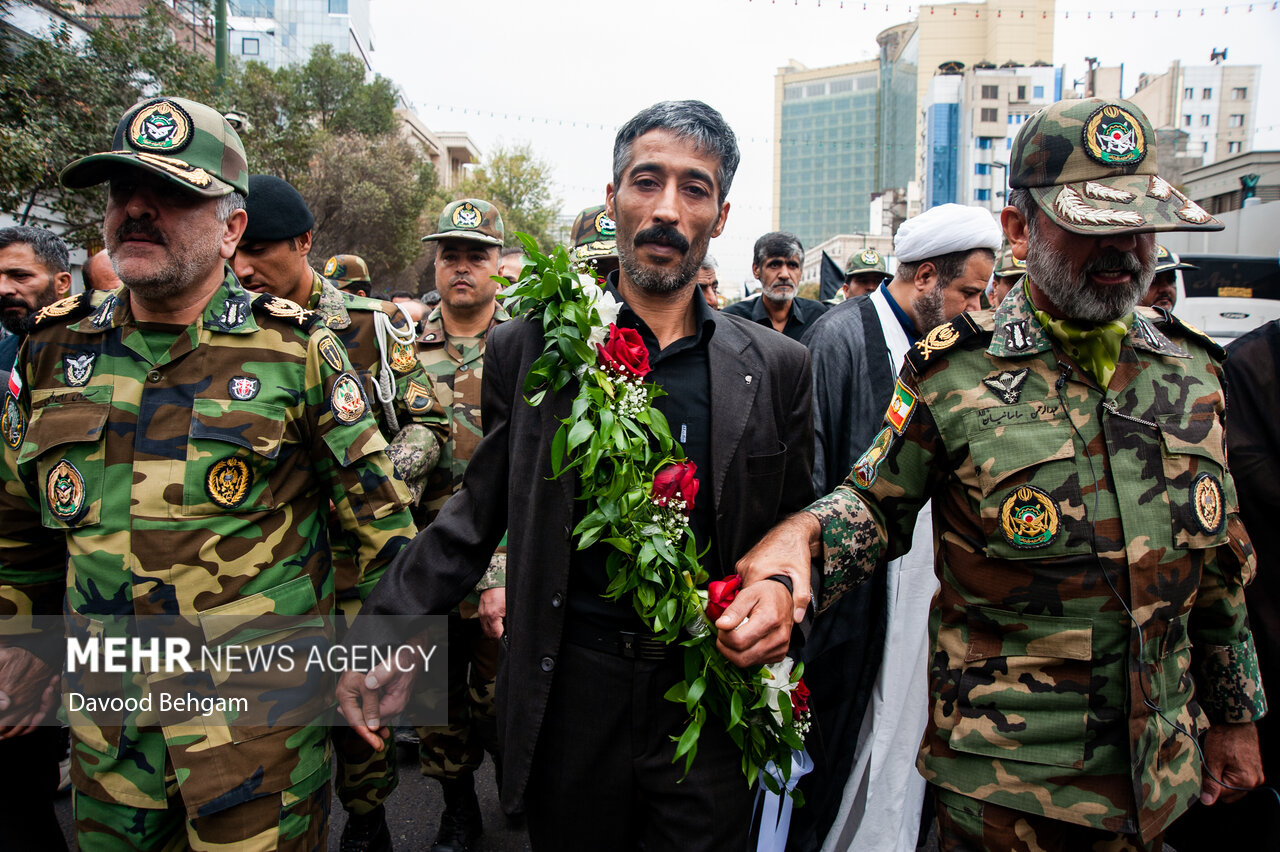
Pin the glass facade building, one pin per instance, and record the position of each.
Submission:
(283, 32)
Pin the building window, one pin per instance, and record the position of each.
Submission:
(1037, 92)
(1204, 121)
(815, 90)
(1207, 94)
(1186, 121)
(982, 168)
(337, 7)
(1233, 147)
(1204, 147)
(982, 195)
(989, 114)
(1022, 93)
(990, 93)
(1235, 121)
(1188, 93)
(1008, 143)
(1240, 94)
(984, 143)
(248, 47)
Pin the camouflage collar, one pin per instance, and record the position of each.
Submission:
(228, 310)
(329, 305)
(1018, 334)
(433, 326)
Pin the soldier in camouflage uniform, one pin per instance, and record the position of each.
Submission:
(451, 349)
(184, 444)
(349, 273)
(1009, 271)
(272, 258)
(595, 241)
(862, 274)
(1091, 621)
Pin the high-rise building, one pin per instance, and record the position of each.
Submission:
(1215, 105)
(278, 33)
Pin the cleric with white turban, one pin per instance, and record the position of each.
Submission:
(945, 229)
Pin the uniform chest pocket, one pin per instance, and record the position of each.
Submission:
(1028, 486)
(1024, 691)
(68, 443)
(232, 449)
(1200, 494)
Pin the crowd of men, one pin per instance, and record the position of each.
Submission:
(986, 497)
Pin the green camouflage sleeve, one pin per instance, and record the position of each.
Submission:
(495, 576)
(370, 501)
(1225, 663)
(33, 558)
(869, 518)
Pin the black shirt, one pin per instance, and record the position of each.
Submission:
(683, 371)
(803, 313)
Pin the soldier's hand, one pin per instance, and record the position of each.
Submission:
(493, 609)
(1231, 753)
(29, 690)
(785, 549)
(365, 700)
(756, 628)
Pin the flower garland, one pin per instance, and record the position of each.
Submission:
(640, 489)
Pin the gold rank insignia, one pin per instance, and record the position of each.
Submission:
(60, 308)
(402, 358)
(346, 400)
(283, 308)
(1029, 518)
(1206, 501)
(417, 397)
(943, 337)
(228, 481)
(64, 491)
(330, 353)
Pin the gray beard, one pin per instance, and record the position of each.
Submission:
(178, 274)
(929, 310)
(776, 297)
(657, 280)
(1077, 297)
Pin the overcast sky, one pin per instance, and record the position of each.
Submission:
(564, 74)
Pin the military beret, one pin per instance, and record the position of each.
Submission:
(276, 211)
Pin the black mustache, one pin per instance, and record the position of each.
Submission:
(137, 227)
(7, 302)
(1116, 260)
(662, 235)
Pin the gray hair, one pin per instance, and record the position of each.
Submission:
(47, 246)
(777, 244)
(693, 121)
(1020, 197)
(709, 262)
(228, 204)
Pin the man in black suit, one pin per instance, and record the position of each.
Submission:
(586, 732)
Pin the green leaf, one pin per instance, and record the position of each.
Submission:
(735, 709)
(581, 431)
(696, 690)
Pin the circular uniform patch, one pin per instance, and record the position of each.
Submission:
(870, 257)
(1113, 137)
(330, 267)
(227, 482)
(12, 424)
(466, 216)
(402, 358)
(1206, 502)
(346, 399)
(604, 225)
(1029, 518)
(64, 490)
(161, 126)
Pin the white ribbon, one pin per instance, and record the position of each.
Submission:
(775, 808)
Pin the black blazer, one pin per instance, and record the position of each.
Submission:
(762, 458)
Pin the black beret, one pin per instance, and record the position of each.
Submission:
(276, 211)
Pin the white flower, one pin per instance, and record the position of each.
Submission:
(599, 334)
(777, 680)
(607, 307)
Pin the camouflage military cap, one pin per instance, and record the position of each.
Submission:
(347, 269)
(469, 219)
(867, 260)
(185, 142)
(1009, 266)
(1167, 261)
(1090, 164)
(594, 235)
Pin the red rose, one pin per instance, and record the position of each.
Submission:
(800, 697)
(720, 593)
(624, 352)
(676, 481)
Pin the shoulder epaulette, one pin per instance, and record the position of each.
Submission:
(72, 307)
(1167, 321)
(963, 330)
(284, 309)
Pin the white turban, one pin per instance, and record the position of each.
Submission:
(945, 229)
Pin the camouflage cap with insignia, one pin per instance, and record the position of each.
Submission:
(594, 235)
(346, 269)
(867, 260)
(1167, 261)
(1009, 266)
(1090, 164)
(469, 219)
(183, 141)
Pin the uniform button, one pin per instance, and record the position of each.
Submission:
(548, 664)
(556, 600)
(154, 376)
(462, 369)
